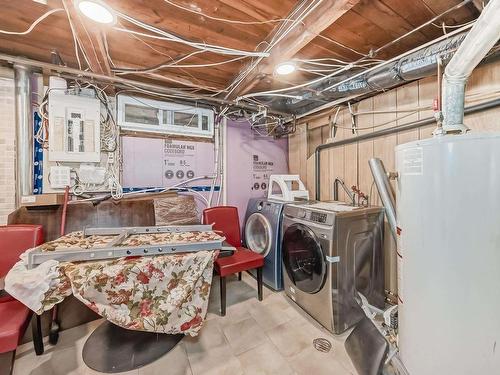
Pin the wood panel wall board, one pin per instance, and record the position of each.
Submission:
(326, 180)
(294, 156)
(407, 98)
(417, 94)
(484, 80)
(350, 152)
(365, 148)
(314, 139)
(383, 148)
(301, 134)
(336, 154)
(427, 92)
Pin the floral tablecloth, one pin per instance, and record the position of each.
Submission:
(165, 293)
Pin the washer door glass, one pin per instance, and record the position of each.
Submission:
(303, 258)
(258, 234)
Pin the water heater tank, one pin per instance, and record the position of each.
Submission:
(448, 209)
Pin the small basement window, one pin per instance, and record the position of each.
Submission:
(147, 115)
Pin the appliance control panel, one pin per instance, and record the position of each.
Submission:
(308, 214)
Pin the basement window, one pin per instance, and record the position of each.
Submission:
(147, 115)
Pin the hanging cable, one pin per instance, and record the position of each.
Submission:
(34, 24)
(225, 19)
(161, 34)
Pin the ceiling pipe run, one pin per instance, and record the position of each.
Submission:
(478, 42)
(24, 133)
(82, 74)
(384, 132)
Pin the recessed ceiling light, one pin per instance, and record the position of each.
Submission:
(97, 11)
(285, 68)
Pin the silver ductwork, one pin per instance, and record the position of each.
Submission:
(479, 41)
(385, 192)
(24, 133)
(414, 66)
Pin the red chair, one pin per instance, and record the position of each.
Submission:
(14, 240)
(225, 219)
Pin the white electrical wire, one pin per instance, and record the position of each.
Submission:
(164, 35)
(225, 19)
(281, 33)
(34, 24)
(176, 65)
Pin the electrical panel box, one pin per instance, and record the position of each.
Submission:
(74, 128)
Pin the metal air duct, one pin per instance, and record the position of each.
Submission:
(24, 133)
(479, 41)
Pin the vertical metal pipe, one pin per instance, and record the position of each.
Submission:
(317, 173)
(24, 133)
(476, 45)
(385, 192)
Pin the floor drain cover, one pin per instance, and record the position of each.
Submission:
(322, 345)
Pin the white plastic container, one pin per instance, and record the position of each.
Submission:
(448, 209)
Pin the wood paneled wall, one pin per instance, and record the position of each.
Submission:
(350, 162)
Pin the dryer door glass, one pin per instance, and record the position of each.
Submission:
(258, 234)
(303, 258)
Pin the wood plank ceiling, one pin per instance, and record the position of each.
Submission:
(351, 31)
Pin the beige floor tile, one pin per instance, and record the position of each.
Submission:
(209, 338)
(310, 361)
(219, 361)
(244, 335)
(66, 361)
(269, 337)
(289, 339)
(269, 316)
(174, 362)
(265, 359)
(313, 330)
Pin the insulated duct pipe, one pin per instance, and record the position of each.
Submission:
(381, 133)
(385, 192)
(478, 42)
(128, 83)
(24, 133)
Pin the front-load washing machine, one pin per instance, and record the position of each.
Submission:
(262, 234)
(332, 251)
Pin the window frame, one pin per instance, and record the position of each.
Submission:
(165, 109)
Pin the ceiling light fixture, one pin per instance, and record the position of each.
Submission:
(285, 68)
(97, 11)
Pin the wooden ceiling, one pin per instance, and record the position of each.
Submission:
(336, 28)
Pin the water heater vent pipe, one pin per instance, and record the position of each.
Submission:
(478, 42)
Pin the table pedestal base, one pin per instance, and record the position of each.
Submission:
(112, 349)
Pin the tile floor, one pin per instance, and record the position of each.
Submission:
(268, 337)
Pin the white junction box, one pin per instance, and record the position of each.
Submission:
(60, 177)
(74, 128)
(89, 174)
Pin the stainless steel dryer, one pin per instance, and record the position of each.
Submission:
(330, 252)
(262, 234)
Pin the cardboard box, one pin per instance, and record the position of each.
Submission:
(42, 200)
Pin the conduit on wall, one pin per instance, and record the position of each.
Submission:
(412, 125)
(24, 133)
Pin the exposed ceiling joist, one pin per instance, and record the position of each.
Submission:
(316, 22)
(90, 41)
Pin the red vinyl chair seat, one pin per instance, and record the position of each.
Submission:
(15, 240)
(242, 260)
(225, 219)
(14, 316)
(12, 324)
